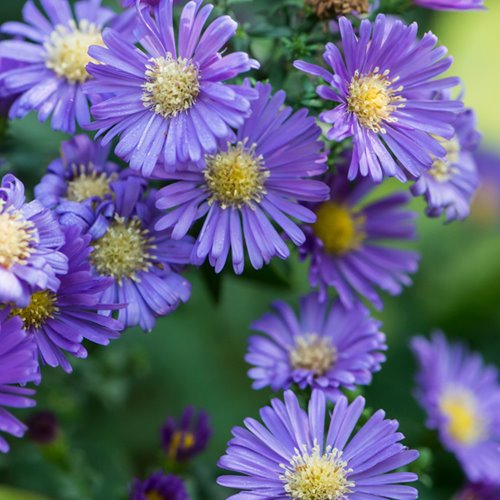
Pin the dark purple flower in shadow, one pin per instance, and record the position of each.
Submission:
(159, 486)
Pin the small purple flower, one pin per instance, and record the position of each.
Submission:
(486, 205)
(60, 321)
(251, 185)
(327, 347)
(451, 4)
(461, 396)
(54, 50)
(82, 173)
(183, 440)
(380, 85)
(29, 245)
(351, 245)
(168, 100)
(479, 491)
(18, 365)
(293, 455)
(159, 487)
(143, 262)
(452, 181)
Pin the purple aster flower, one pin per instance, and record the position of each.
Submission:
(29, 246)
(183, 440)
(167, 100)
(293, 455)
(327, 347)
(143, 262)
(54, 48)
(479, 491)
(461, 396)
(159, 487)
(249, 184)
(60, 321)
(452, 181)
(486, 204)
(451, 4)
(19, 365)
(83, 172)
(351, 246)
(380, 85)
(6, 97)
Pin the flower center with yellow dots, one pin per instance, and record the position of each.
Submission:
(181, 440)
(67, 49)
(124, 250)
(172, 85)
(338, 228)
(236, 177)
(87, 183)
(154, 495)
(443, 169)
(373, 100)
(314, 353)
(315, 476)
(41, 308)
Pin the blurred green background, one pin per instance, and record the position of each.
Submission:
(112, 406)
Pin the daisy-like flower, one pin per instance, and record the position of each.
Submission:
(350, 244)
(294, 455)
(159, 486)
(18, 365)
(327, 347)
(451, 4)
(168, 100)
(142, 261)
(461, 396)
(249, 184)
(82, 173)
(54, 48)
(60, 321)
(29, 245)
(452, 181)
(380, 84)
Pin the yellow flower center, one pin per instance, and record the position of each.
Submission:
(443, 169)
(41, 308)
(464, 424)
(372, 99)
(172, 85)
(16, 236)
(181, 440)
(154, 495)
(67, 49)
(123, 251)
(338, 228)
(311, 352)
(236, 177)
(87, 183)
(312, 476)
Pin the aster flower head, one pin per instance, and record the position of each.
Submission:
(82, 173)
(18, 365)
(6, 97)
(250, 185)
(159, 486)
(450, 184)
(479, 491)
(144, 263)
(30, 256)
(187, 438)
(461, 396)
(450, 4)
(296, 454)
(327, 347)
(380, 85)
(326, 9)
(60, 321)
(168, 100)
(350, 244)
(53, 46)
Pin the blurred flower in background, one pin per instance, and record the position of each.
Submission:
(159, 487)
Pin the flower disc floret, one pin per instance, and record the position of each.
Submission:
(88, 183)
(41, 308)
(311, 352)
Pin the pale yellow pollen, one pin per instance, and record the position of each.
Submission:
(443, 169)
(312, 352)
(236, 177)
(338, 228)
(67, 49)
(172, 85)
(464, 424)
(315, 476)
(181, 440)
(41, 308)
(373, 100)
(124, 250)
(16, 237)
(88, 183)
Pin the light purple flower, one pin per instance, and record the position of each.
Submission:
(380, 84)
(257, 180)
(296, 454)
(327, 347)
(6, 97)
(461, 396)
(451, 4)
(168, 100)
